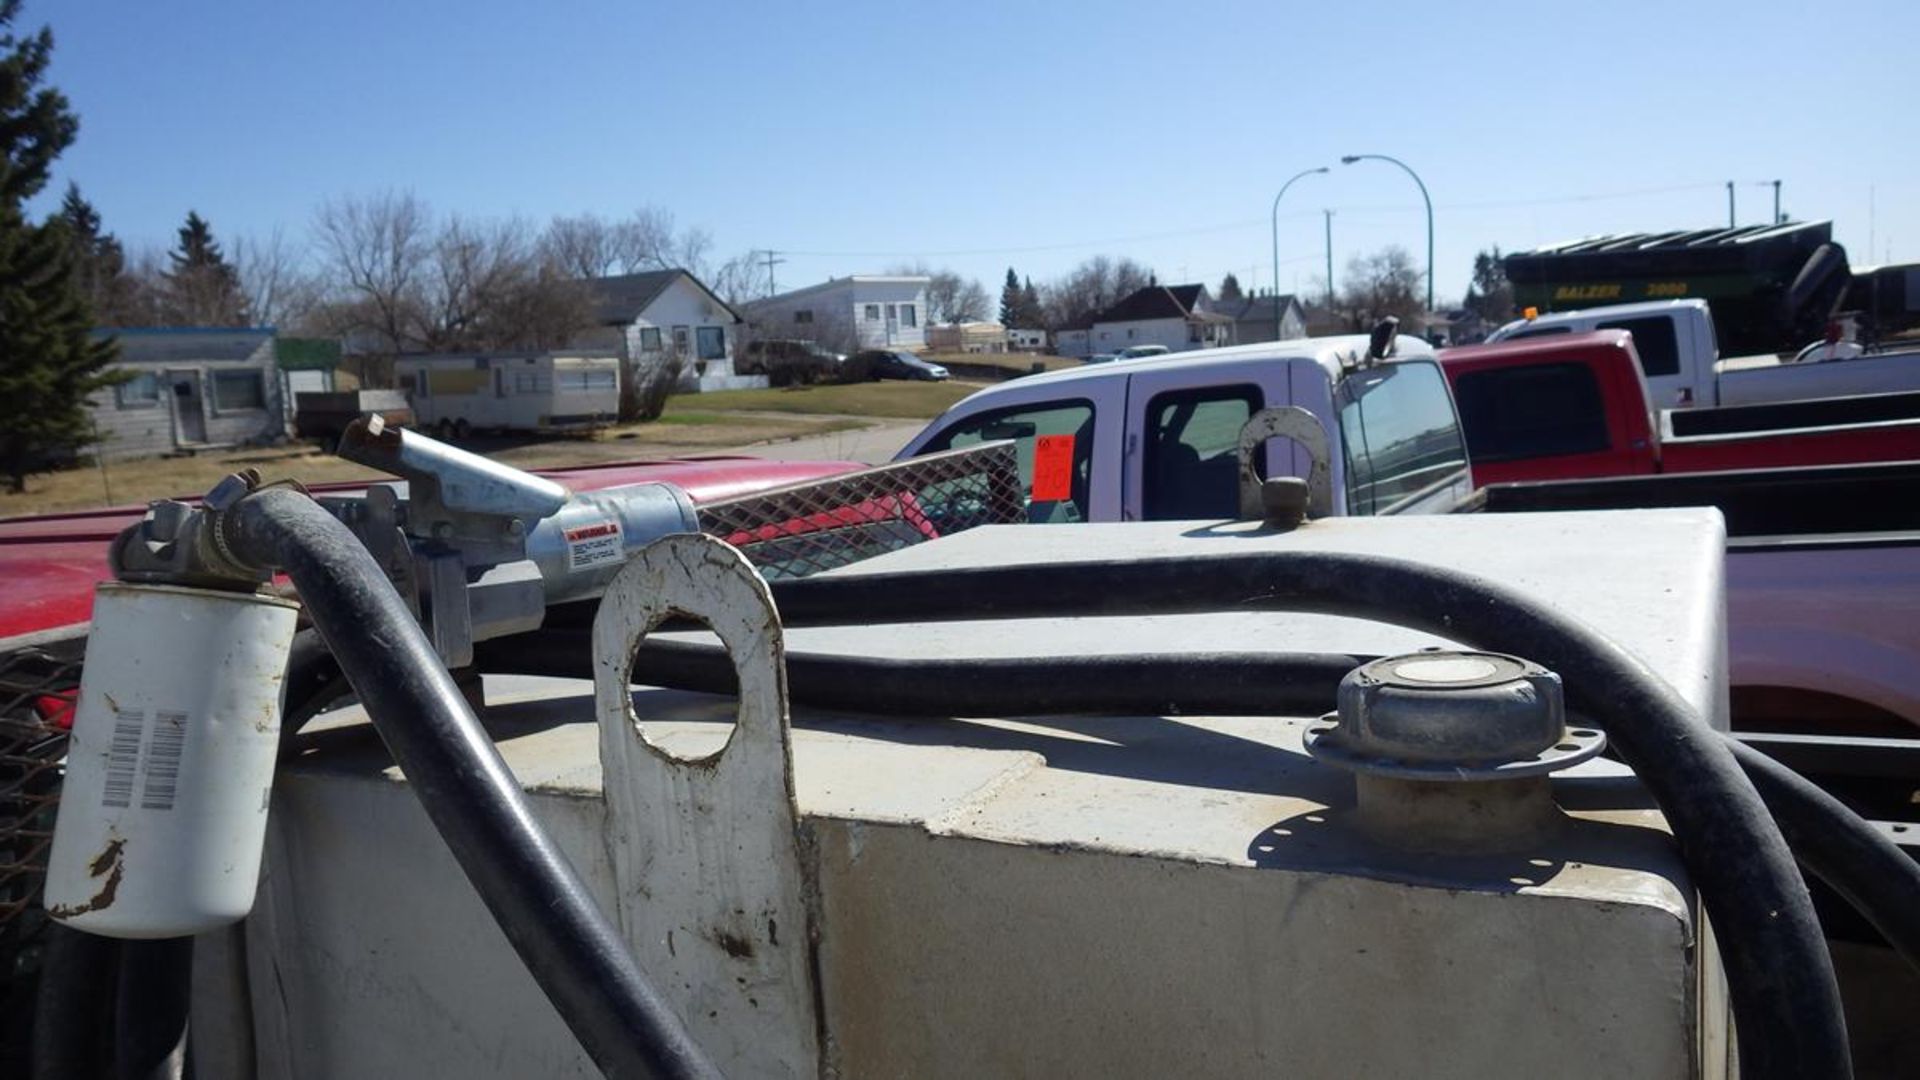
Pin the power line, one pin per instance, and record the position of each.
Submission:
(1247, 223)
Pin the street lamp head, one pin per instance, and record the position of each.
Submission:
(1350, 159)
(1322, 169)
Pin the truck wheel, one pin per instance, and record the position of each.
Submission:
(443, 430)
(461, 430)
(779, 377)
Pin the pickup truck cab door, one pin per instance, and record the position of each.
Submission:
(1179, 460)
(1088, 412)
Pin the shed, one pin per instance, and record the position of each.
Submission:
(190, 388)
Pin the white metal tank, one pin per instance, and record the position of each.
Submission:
(1113, 896)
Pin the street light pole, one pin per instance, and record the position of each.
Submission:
(1276, 243)
(1351, 158)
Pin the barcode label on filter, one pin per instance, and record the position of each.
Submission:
(123, 756)
(165, 742)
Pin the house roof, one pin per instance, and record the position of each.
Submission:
(622, 298)
(1255, 308)
(842, 282)
(1155, 302)
(180, 344)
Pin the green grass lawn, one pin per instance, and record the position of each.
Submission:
(907, 400)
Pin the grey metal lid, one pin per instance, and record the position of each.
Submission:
(1450, 716)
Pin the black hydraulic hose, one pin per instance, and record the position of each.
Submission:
(1199, 683)
(1786, 998)
(1868, 870)
(1829, 840)
(539, 901)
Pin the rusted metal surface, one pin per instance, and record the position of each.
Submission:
(706, 850)
(803, 529)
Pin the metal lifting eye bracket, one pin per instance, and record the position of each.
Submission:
(713, 895)
(1284, 422)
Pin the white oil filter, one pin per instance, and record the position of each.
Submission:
(164, 810)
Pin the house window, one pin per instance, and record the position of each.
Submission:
(893, 313)
(140, 392)
(649, 339)
(235, 391)
(713, 343)
(1129, 333)
(583, 379)
(907, 316)
(803, 316)
(873, 312)
(1193, 333)
(681, 342)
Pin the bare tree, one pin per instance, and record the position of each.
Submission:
(1095, 284)
(1383, 283)
(278, 288)
(950, 297)
(739, 280)
(585, 246)
(374, 250)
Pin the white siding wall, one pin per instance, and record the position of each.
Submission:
(1114, 336)
(1073, 343)
(684, 306)
(838, 315)
(143, 428)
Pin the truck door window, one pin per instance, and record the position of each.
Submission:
(1653, 339)
(1516, 413)
(1023, 424)
(1398, 433)
(1190, 469)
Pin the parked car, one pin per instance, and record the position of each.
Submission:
(786, 362)
(1568, 406)
(1102, 358)
(894, 364)
(1135, 352)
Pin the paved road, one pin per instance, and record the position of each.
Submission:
(872, 445)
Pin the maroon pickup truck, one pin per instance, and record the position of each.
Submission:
(1573, 407)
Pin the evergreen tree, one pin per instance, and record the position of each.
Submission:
(49, 361)
(99, 264)
(1230, 288)
(1032, 315)
(203, 289)
(1010, 300)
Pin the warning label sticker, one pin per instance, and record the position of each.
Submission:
(1052, 468)
(593, 545)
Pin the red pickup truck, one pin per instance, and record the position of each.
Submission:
(1575, 406)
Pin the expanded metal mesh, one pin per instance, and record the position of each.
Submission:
(37, 690)
(805, 528)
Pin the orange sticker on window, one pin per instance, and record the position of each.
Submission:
(1053, 468)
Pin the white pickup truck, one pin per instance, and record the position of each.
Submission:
(1156, 439)
(1681, 358)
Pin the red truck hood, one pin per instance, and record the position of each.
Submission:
(50, 563)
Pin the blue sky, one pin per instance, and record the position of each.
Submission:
(980, 135)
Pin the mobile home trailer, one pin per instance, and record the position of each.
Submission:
(547, 391)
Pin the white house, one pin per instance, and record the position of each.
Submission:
(863, 311)
(1022, 339)
(190, 388)
(1179, 317)
(1073, 341)
(650, 316)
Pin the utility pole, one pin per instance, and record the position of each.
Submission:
(772, 261)
(1776, 202)
(1328, 214)
(1730, 204)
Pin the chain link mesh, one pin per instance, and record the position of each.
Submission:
(37, 690)
(805, 528)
